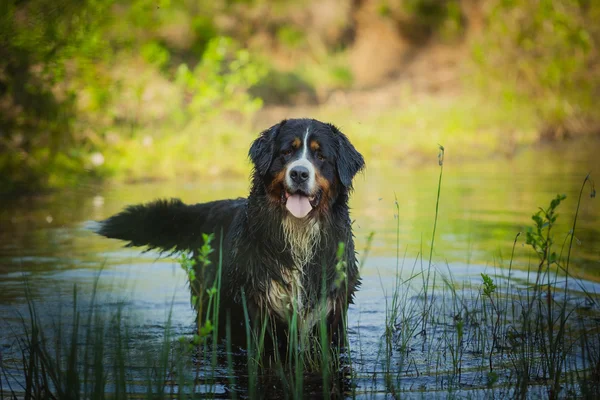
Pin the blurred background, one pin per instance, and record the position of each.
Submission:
(109, 103)
(138, 90)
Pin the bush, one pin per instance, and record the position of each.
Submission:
(420, 20)
(221, 80)
(544, 50)
(288, 88)
(41, 45)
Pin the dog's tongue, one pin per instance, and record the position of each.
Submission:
(298, 205)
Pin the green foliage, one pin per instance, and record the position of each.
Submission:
(221, 80)
(281, 87)
(488, 285)
(66, 84)
(544, 50)
(204, 30)
(429, 12)
(44, 47)
(341, 77)
(419, 20)
(206, 249)
(155, 53)
(190, 264)
(87, 80)
(384, 9)
(539, 237)
(290, 36)
(203, 298)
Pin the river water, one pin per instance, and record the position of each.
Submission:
(46, 241)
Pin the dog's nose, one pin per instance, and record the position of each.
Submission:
(299, 174)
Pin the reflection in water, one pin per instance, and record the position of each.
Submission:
(483, 206)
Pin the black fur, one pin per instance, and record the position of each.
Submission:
(170, 225)
(261, 151)
(256, 255)
(350, 161)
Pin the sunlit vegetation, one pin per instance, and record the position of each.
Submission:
(547, 52)
(143, 89)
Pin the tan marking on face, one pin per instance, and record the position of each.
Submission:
(297, 143)
(314, 145)
(325, 187)
(276, 187)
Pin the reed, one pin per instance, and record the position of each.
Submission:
(495, 337)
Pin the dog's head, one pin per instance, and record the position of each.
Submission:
(305, 165)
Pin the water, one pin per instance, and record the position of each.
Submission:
(46, 241)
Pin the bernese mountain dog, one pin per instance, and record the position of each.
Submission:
(286, 249)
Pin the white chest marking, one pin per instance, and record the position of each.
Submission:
(301, 239)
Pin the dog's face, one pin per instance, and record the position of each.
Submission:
(305, 164)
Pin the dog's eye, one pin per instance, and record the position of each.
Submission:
(320, 157)
(286, 152)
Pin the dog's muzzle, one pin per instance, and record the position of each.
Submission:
(300, 194)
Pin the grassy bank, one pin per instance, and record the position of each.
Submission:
(473, 129)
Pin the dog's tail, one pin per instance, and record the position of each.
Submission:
(168, 225)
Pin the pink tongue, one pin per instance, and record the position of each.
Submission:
(298, 205)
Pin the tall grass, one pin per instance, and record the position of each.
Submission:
(495, 337)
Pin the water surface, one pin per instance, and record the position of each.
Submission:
(46, 241)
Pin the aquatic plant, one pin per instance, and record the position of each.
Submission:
(497, 336)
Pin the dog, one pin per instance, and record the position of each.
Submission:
(287, 249)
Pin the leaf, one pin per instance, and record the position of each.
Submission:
(206, 329)
(488, 285)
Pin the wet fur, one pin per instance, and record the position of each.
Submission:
(278, 262)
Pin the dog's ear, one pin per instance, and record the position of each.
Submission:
(261, 151)
(350, 161)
